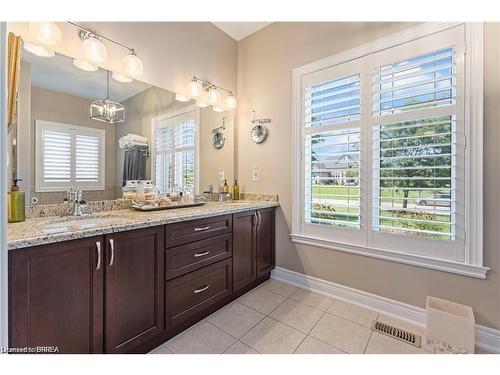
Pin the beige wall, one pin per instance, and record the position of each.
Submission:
(58, 107)
(265, 63)
(211, 159)
(153, 102)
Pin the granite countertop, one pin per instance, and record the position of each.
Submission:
(34, 231)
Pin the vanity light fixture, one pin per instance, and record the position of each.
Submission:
(212, 95)
(85, 65)
(94, 49)
(37, 50)
(182, 98)
(121, 77)
(107, 110)
(45, 32)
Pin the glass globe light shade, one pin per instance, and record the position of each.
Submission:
(121, 77)
(213, 96)
(94, 49)
(45, 32)
(195, 89)
(85, 65)
(182, 98)
(132, 65)
(217, 109)
(231, 102)
(38, 50)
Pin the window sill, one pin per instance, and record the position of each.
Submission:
(414, 260)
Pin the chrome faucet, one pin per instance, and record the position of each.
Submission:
(74, 196)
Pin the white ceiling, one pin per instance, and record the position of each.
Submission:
(240, 30)
(59, 74)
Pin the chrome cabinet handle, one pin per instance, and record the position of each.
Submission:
(260, 218)
(196, 255)
(202, 289)
(198, 229)
(255, 223)
(98, 245)
(112, 246)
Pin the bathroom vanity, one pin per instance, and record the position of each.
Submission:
(128, 287)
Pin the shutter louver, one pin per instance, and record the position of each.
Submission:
(332, 173)
(419, 82)
(175, 153)
(333, 102)
(414, 177)
(87, 158)
(56, 157)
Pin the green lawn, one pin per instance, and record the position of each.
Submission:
(353, 190)
(397, 220)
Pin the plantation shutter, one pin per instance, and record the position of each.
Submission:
(331, 150)
(68, 155)
(56, 153)
(418, 146)
(87, 155)
(175, 152)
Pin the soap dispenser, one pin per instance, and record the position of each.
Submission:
(15, 204)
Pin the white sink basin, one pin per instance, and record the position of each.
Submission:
(76, 224)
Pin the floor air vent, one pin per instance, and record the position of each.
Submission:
(398, 333)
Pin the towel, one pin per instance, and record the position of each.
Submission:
(131, 140)
(134, 163)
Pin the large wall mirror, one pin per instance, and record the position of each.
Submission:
(59, 145)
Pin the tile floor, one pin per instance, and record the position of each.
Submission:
(279, 318)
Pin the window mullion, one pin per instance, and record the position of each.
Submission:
(366, 151)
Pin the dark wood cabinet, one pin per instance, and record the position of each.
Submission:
(253, 246)
(264, 240)
(244, 258)
(190, 294)
(56, 296)
(130, 291)
(134, 288)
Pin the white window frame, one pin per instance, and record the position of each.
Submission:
(154, 123)
(474, 49)
(42, 186)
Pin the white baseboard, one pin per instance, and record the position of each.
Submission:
(486, 338)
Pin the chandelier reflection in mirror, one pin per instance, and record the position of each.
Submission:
(107, 110)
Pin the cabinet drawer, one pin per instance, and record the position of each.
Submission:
(190, 294)
(181, 233)
(189, 257)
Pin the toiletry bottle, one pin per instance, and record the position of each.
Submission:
(236, 191)
(226, 187)
(16, 204)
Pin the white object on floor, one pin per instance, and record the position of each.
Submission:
(450, 326)
(486, 338)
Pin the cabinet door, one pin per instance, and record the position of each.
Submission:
(56, 296)
(265, 241)
(133, 288)
(244, 265)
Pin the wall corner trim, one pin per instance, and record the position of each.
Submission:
(486, 338)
